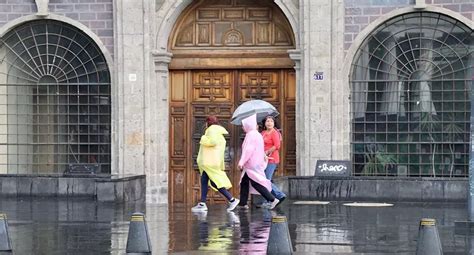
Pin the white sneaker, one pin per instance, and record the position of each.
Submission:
(201, 216)
(266, 205)
(243, 207)
(232, 205)
(274, 204)
(200, 207)
(233, 218)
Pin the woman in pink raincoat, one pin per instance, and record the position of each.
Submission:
(253, 163)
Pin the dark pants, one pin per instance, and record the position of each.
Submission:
(204, 188)
(244, 190)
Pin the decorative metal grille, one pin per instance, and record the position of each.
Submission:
(54, 100)
(410, 81)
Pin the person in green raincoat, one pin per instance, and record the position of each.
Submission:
(211, 164)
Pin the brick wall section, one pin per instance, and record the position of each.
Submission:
(360, 13)
(95, 14)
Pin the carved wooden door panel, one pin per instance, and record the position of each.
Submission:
(288, 124)
(196, 94)
(178, 149)
(212, 94)
(278, 88)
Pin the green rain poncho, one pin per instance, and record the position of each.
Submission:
(211, 156)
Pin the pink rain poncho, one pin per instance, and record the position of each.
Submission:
(253, 155)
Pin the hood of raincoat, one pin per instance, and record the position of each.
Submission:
(216, 130)
(250, 123)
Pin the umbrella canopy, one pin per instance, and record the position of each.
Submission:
(259, 107)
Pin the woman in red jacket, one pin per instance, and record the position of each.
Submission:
(272, 141)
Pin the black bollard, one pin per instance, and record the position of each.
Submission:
(5, 244)
(428, 238)
(279, 241)
(138, 241)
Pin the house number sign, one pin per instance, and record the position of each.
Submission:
(318, 76)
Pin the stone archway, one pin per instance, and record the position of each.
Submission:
(168, 13)
(224, 53)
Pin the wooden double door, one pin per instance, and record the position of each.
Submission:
(195, 94)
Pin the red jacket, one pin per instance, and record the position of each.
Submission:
(270, 139)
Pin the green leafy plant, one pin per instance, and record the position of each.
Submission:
(378, 162)
(428, 123)
(454, 131)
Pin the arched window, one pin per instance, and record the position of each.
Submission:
(54, 100)
(410, 81)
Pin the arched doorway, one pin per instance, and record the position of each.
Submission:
(225, 53)
(55, 100)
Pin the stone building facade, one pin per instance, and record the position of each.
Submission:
(133, 37)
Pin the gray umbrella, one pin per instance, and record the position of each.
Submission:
(259, 107)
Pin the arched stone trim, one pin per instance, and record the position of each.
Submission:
(108, 57)
(381, 20)
(16, 22)
(169, 19)
(291, 13)
(173, 12)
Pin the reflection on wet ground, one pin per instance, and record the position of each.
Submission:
(218, 231)
(47, 226)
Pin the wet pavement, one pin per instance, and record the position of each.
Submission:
(48, 226)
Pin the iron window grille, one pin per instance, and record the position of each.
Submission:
(54, 100)
(410, 106)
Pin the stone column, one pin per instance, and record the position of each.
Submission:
(322, 112)
(302, 98)
(340, 90)
(158, 131)
(132, 53)
(295, 55)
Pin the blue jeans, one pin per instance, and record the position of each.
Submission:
(269, 174)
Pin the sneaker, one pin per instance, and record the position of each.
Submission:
(273, 213)
(274, 204)
(281, 200)
(232, 205)
(200, 207)
(233, 218)
(201, 215)
(243, 207)
(267, 205)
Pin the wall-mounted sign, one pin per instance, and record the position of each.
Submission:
(84, 168)
(318, 76)
(333, 168)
